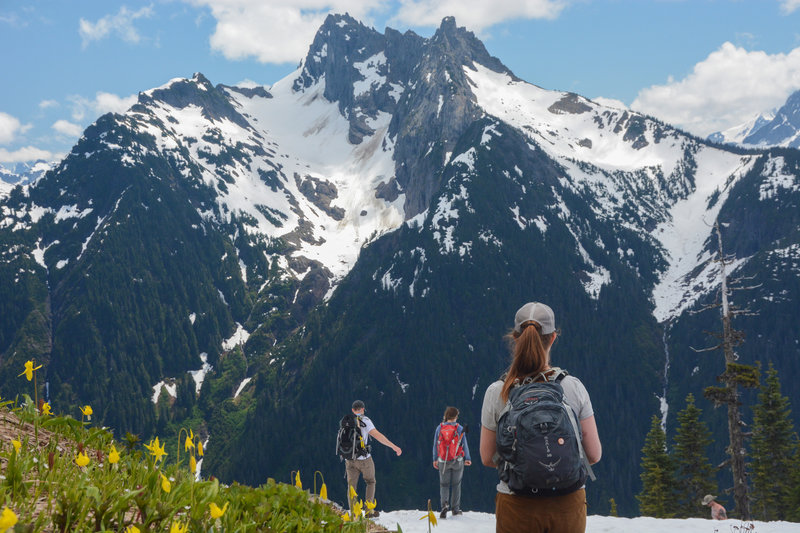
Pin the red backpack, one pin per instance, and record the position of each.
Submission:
(449, 446)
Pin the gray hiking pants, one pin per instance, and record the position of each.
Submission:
(450, 474)
(363, 467)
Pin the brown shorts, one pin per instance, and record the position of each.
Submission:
(559, 514)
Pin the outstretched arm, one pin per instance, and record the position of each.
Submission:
(380, 437)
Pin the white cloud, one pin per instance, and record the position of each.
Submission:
(120, 25)
(275, 31)
(103, 103)
(727, 88)
(280, 31)
(28, 153)
(46, 104)
(476, 15)
(9, 127)
(67, 128)
(789, 6)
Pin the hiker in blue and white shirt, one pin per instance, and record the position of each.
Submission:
(450, 456)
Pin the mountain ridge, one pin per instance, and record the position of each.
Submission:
(364, 227)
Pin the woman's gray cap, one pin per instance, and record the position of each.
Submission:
(538, 312)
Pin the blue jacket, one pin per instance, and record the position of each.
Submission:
(459, 431)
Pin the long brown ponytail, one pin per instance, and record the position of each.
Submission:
(529, 354)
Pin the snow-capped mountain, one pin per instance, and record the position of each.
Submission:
(21, 173)
(737, 134)
(366, 227)
(783, 129)
(778, 127)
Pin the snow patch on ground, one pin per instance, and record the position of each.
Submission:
(474, 522)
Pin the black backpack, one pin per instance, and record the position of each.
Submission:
(539, 440)
(349, 443)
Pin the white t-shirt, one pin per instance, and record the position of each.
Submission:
(574, 393)
(369, 426)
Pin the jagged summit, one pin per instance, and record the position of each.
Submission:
(784, 129)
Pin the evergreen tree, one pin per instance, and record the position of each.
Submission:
(793, 498)
(772, 451)
(657, 498)
(694, 474)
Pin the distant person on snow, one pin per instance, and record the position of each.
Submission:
(450, 456)
(534, 510)
(717, 510)
(364, 466)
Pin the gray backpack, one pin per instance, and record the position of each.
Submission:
(539, 439)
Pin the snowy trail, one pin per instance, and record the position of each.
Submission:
(472, 522)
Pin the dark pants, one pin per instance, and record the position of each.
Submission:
(365, 468)
(558, 514)
(450, 474)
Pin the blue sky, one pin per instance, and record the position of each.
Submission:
(703, 65)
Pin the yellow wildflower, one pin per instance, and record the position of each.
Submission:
(189, 442)
(323, 492)
(200, 449)
(156, 449)
(165, 484)
(46, 409)
(17, 444)
(345, 517)
(353, 493)
(431, 516)
(7, 519)
(216, 512)
(29, 370)
(297, 482)
(192, 464)
(87, 411)
(177, 527)
(113, 455)
(82, 459)
(132, 529)
(357, 508)
(372, 504)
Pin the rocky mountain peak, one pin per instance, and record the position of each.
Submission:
(462, 47)
(199, 91)
(784, 129)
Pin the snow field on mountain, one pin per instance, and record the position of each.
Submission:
(313, 142)
(305, 136)
(585, 143)
(472, 522)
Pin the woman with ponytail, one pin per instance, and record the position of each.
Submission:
(531, 341)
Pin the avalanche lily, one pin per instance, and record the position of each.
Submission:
(297, 482)
(200, 449)
(17, 444)
(431, 516)
(166, 486)
(192, 464)
(156, 449)
(8, 519)
(29, 370)
(82, 459)
(132, 529)
(177, 527)
(216, 512)
(113, 455)
(189, 442)
(46, 409)
(87, 411)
